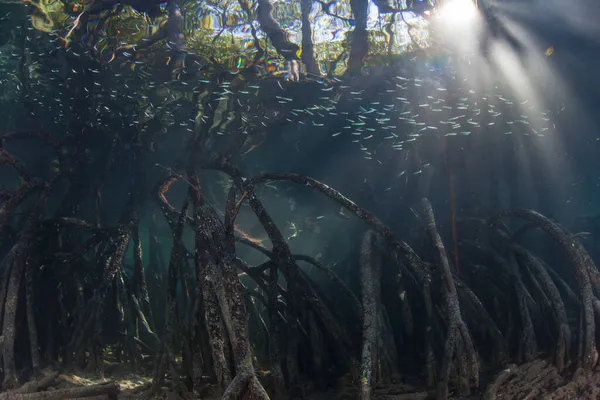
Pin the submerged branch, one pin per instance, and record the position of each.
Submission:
(458, 338)
(583, 267)
(370, 280)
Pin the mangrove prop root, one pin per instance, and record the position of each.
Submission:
(563, 286)
(139, 276)
(528, 341)
(334, 330)
(356, 304)
(216, 331)
(414, 262)
(9, 206)
(563, 340)
(387, 347)
(204, 265)
(110, 389)
(501, 378)
(305, 287)
(457, 329)
(10, 314)
(273, 289)
(128, 322)
(31, 323)
(370, 284)
(8, 159)
(417, 265)
(16, 260)
(38, 384)
(211, 236)
(500, 349)
(245, 383)
(234, 313)
(282, 257)
(580, 262)
(171, 301)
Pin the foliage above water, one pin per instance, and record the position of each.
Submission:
(229, 32)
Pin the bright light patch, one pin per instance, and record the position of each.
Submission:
(458, 24)
(457, 12)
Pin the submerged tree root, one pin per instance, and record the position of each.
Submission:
(109, 390)
(246, 384)
(540, 379)
(370, 294)
(583, 269)
(459, 344)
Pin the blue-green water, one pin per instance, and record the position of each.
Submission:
(226, 198)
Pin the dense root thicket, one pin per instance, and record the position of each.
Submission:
(507, 305)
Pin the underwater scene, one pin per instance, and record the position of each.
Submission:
(299, 199)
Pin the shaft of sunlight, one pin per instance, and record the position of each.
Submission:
(510, 53)
(457, 24)
(529, 75)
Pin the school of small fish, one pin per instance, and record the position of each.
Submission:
(396, 115)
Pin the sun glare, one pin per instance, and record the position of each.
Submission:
(457, 12)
